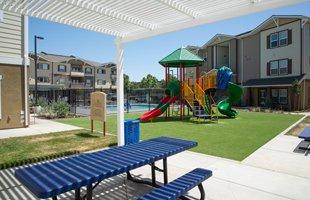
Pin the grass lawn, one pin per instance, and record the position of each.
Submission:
(24, 148)
(230, 138)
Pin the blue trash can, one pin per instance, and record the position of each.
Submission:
(132, 131)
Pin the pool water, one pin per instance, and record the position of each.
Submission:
(85, 110)
(133, 107)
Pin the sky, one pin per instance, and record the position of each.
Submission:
(142, 56)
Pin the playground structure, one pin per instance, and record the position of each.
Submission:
(197, 93)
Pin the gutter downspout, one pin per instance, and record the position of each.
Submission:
(25, 62)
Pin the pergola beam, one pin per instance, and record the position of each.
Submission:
(212, 17)
(88, 5)
(180, 7)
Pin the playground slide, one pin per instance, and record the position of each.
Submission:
(224, 106)
(172, 92)
(160, 109)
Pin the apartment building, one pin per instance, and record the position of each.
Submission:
(266, 61)
(14, 112)
(70, 78)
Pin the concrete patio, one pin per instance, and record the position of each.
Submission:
(272, 172)
(41, 126)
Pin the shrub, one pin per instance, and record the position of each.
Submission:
(60, 108)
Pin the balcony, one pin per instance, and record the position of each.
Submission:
(79, 85)
(77, 74)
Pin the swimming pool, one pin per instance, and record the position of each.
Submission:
(85, 110)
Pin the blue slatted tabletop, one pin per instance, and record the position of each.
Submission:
(305, 134)
(56, 177)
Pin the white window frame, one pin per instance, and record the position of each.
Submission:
(1, 77)
(88, 72)
(285, 38)
(283, 67)
(43, 78)
(88, 82)
(275, 40)
(65, 67)
(48, 66)
(271, 68)
(281, 95)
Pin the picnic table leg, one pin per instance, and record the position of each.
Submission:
(77, 194)
(202, 191)
(165, 171)
(89, 194)
(153, 174)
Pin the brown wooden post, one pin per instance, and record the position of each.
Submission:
(92, 125)
(104, 128)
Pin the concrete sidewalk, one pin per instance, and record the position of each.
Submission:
(41, 126)
(231, 180)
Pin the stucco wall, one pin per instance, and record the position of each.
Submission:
(251, 57)
(291, 51)
(306, 49)
(12, 96)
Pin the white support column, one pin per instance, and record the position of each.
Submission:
(26, 62)
(120, 91)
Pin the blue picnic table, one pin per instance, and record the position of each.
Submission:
(89, 169)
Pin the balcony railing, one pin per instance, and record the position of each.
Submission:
(77, 74)
(75, 85)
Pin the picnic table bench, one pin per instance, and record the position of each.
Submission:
(305, 134)
(53, 178)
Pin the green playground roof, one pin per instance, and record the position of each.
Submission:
(180, 57)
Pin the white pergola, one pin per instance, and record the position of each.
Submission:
(130, 20)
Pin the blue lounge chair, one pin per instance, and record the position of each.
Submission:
(179, 187)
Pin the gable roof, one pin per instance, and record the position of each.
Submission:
(218, 38)
(181, 56)
(273, 21)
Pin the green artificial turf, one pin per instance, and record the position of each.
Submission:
(229, 138)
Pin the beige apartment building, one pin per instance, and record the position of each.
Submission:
(266, 61)
(14, 111)
(70, 78)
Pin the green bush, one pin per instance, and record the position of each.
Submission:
(60, 108)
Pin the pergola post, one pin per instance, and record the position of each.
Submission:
(120, 91)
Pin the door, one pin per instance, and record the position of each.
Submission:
(262, 95)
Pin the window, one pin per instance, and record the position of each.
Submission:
(44, 66)
(274, 65)
(283, 67)
(88, 70)
(274, 96)
(0, 97)
(61, 81)
(101, 82)
(113, 71)
(101, 71)
(88, 82)
(279, 67)
(62, 68)
(283, 96)
(43, 79)
(279, 96)
(283, 38)
(279, 39)
(113, 82)
(273, 40)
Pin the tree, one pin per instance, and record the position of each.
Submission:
(149, 82)
(126, 82)
(296, 90)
